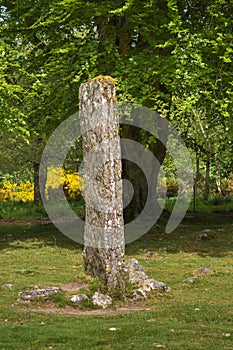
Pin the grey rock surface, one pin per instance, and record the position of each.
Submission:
(190, 279)
(35, 293)
(78, 298)
(204, 271)
(151, 284)
(135, 271)
(101, 300)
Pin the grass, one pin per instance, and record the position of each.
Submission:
(27, 210)
(215, 204)
(193, 317)
(18, 210)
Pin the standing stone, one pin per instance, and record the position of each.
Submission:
(104, 243)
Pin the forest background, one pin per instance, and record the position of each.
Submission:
(174, 57)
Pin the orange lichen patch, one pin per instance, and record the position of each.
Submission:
(104, 78)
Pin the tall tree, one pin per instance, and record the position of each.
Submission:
(173, 54)
(63, 43)
(203, 99)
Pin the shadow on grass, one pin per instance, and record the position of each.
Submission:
(39, 235)
(182, 239)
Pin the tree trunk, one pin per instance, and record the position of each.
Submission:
(218, 175)
(207, 176)
(39, 177)
(135, 175)
(37, 195)
(195, 189)
(104, 243)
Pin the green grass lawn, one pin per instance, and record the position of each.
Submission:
(194, 316)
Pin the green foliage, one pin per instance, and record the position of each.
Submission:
(18, 210)
(59, 299)
(96, 285)
(203, 97)
(219, 200)
(215, 204)
(87, 304)
(173, 57)
(227, 185)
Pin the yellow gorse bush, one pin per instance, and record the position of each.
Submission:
(72, 183)
(12, 191)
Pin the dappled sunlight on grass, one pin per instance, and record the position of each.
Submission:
(193, 316)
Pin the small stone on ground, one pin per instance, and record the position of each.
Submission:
(7, 285)
(77, 298)
(35, 293)
(204, 271)
(190, 279)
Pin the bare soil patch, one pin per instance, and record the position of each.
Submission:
(42, 221)
(73, 286)
(99, 312)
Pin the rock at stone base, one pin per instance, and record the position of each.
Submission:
(101, 300)
(77, 298)
(151, 284)
(35, 293)
(135, 271)
(137, 275)
(139, 294)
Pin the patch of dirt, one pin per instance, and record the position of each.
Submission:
(42, 221)
(99, 312)
(73, 311)
(73, 286)
(225, 212)
(35, 221)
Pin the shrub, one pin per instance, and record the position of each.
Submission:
(20, 192)
(72, 183)
(227, 186)
(219, 200)
(168, 185)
